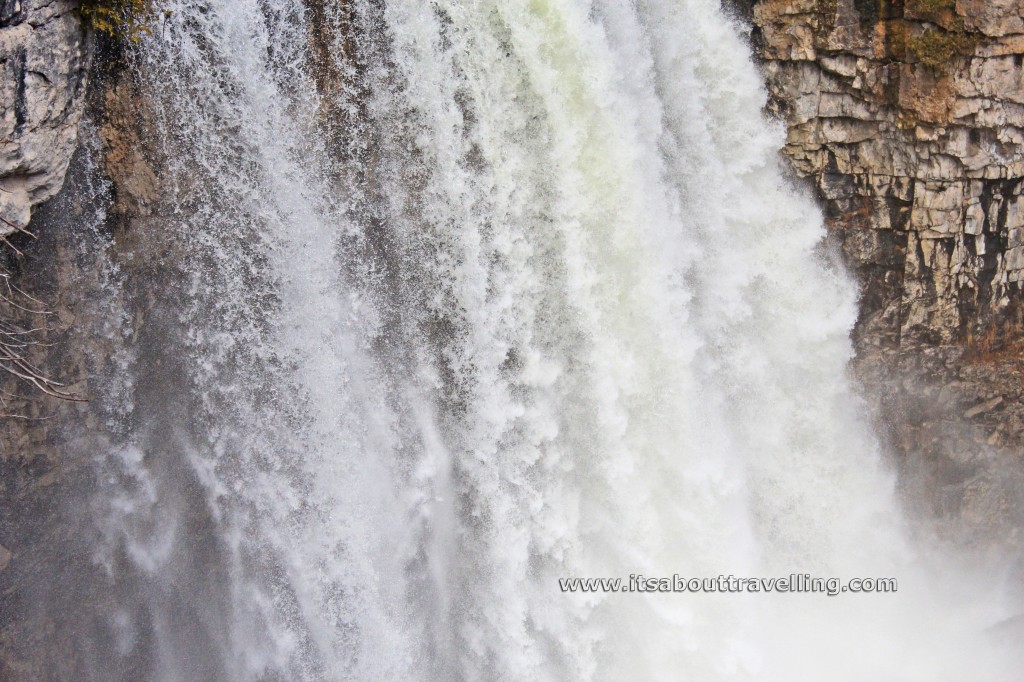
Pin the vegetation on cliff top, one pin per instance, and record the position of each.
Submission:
(121, 19)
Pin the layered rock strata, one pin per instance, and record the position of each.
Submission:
(908, 118)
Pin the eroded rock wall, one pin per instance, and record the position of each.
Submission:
(44, 64)
(908, 118)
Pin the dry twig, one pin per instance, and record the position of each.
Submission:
(17, 342)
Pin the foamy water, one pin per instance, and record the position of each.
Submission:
(472, 297)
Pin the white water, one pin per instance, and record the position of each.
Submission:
(520, 294)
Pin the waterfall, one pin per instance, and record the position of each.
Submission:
(449, 300)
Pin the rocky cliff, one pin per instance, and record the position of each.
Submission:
(45, 60)
(908, 118)
(44, 63)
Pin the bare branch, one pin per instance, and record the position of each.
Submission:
(18, 341)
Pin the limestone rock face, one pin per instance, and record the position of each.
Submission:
(908, 117)
(44, 62)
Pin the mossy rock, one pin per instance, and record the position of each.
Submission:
(126, 20)
(937, 48)
(939, 12)
(924, 8)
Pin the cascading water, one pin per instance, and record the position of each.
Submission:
(452, 299)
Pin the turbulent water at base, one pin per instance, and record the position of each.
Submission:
(453, 299)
